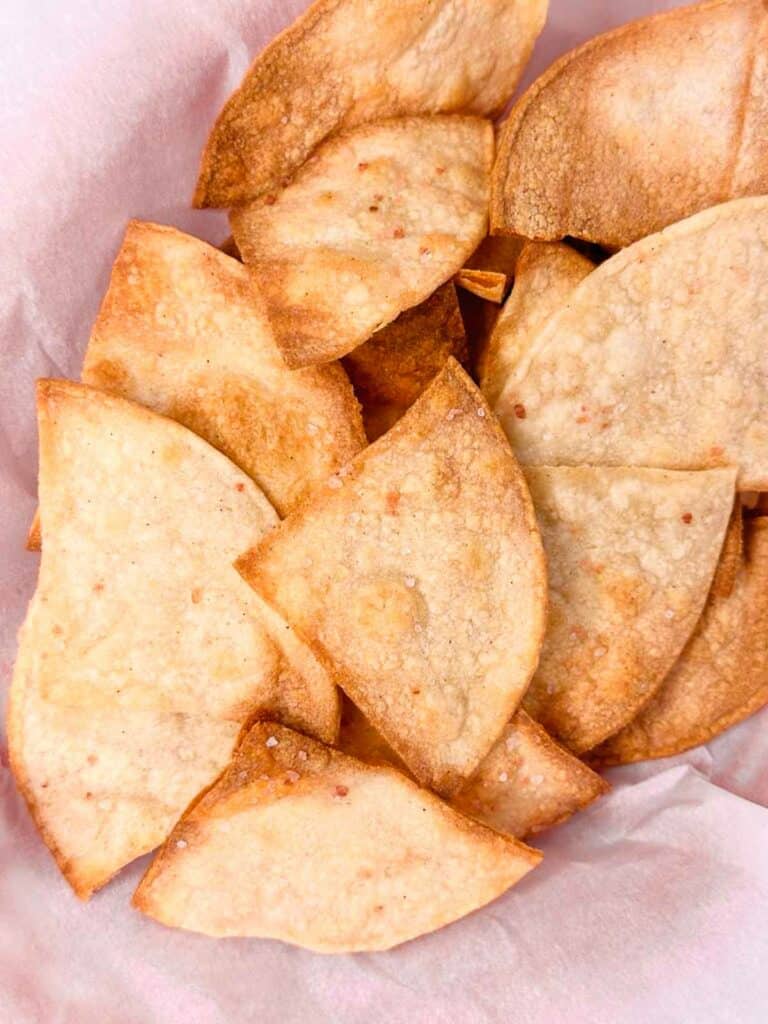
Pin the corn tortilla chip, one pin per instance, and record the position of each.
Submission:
(395, 365)
(490, 285)
(631, 556)
(639, 128)
(658, 358)
(299, 842)
(143, 652)
(420, 578)
(497, 252)
(375, 221)
(345, 62)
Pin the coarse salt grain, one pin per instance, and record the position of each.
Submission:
(481, 413)
(271, 741)
(181, 843)
(503, 777)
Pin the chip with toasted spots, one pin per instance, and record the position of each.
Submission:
(639, 128)
(419, 577)
(631, 556)
(346, 62)
(392, 368)
(299, 842)
(143, 652)
(371, 225)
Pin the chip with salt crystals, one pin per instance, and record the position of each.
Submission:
(639, 128)
(345, 62)
(392, 368)
(658, 358)
(722, 675)
(527, 783)
(371, 225)
(419, 576)
(299, 842)
(631, 556)
(143, 651)
(545, 275)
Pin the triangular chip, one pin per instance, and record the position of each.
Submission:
(658, 358)
(299, 842)
(631, 556)
(372, 224)
(721, 676)
(345, 62)
(143, 652)
(392, 368)
(420, 577)
(639, 128)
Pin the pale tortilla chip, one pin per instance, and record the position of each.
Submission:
(639, 128)
(720, 678)
(497, 252)
(545, 275)
(143, 652)
(392, 368)
(345, 62)
(372, 224)
(490, 285)
(420, 577)
(631, 556)
(658, 358)
(299, 842)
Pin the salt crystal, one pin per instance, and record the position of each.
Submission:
(302, 755)
(503, 777)
(181, 843)
(271, 741)
(669, 614)
(481, 413)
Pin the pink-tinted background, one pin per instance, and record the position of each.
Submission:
(653, 906)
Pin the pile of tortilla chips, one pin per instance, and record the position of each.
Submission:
(338, 635)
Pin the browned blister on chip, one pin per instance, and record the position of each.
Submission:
(395, 365)
(631, 556)
(420, 577)
(639, 128)
(143, 652)
(372, 224)
(299, 842)
(345, 62)
(722, 675)
(658, 357)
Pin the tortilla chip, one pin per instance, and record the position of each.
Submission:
(392, 368)
(299, 842)
(346, 62)
(720, 678)
(490, 285)
(631, 556)
(143, 652)
(731, 559)
(420, 577)
(34, 536)
(639, 128)
(499, 253)
(546, 274)
(370, 226)
(658, 358)
(229, 248)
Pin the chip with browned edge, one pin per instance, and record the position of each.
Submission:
(143, 652)
(419, 576)
(639, 128)
(372, 224)
(299, 842)
(490, 285)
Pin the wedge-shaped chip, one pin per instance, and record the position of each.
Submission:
(525, 784)
(143, 652)
(631, 556)
(721, 676)
(299, 842)
(345, 62)
(372, 225)
(658, 358)
(639, 128)
(420, 577)
(391, 369)
(545, 275)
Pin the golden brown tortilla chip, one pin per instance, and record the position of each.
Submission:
(420, 577)
(143, 652)
(490, 285)
(299, 842)
(345, 62)
(658, 358)
(639, 128)
(720, 678)
(395, 365)
(631, 556)
(372, 224)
